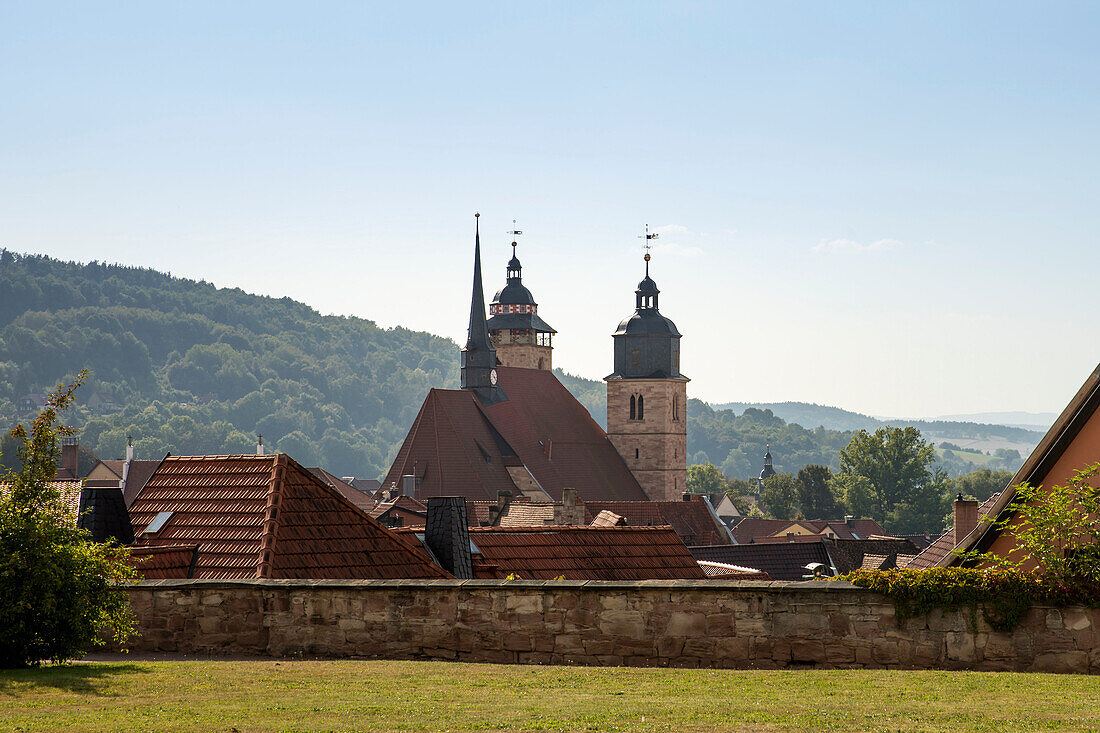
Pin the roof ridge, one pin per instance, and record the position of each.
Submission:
(271, 515)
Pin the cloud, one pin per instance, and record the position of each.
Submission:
(845, 246)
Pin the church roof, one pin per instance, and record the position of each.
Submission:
(515, 292)
(459, 446)
(647, 322)
(519, 320)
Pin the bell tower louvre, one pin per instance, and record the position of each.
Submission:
(647, 397)
(521, 338)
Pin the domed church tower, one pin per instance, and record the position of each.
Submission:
(520, 337)
(647, 397)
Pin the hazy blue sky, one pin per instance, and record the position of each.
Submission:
(891, 208)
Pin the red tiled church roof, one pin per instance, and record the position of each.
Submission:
(267, 517)
(459, 447)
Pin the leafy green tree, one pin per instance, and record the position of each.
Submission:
(898, 464)
(815, 498)
(982, 484)
(855, 493)
(924, 508)
(706, 479)
(780, 495)
(58, 590)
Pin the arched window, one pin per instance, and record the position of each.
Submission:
(633, 408)
(641, 407)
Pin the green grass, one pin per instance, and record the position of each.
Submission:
(273, 695)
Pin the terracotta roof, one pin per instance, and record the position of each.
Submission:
(459, 447)
(780, 561)
(940, 551)
(875, 562)
(694, 520)
(160, 563)
(267, 517)
(70, 495)
(360, 499)
(587, 553)
(607, 518)
(754, 529)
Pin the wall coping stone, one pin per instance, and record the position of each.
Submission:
(748, 586)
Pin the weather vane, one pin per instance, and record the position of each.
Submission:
(515, 233)
(648, 238)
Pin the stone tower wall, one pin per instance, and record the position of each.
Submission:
(655, 447)
(521, 351)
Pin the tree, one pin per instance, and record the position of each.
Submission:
(706, 479)
(58, 590)
(780, 494)
(982, 484)
(898, 464)
(815, 498)
(855, 493)
(1056, 529)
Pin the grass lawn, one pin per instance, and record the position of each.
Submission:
(284, 695)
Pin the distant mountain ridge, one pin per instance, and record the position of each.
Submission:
(967, 434)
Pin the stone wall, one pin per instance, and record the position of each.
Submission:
(649, 623)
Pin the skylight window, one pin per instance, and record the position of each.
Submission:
(158, 523)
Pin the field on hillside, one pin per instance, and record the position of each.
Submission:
(269, 695)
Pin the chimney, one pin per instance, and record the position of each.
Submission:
(686, 496)
(849, 520)
(448, 535)
(129, 448)
(70, 458)
(259, 445)
(103, 513)
(572, 509)
(408, 486)
(966, 517)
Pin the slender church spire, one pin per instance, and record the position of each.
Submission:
(479, 358)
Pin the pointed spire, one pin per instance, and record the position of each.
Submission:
(477, 337)
(479, 358)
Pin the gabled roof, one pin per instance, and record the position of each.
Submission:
(694, 520)
(267, 517)
(458, 446)
(587, 553)
(1058, 441)
(756, 529)
(848, 555)
(779, 561)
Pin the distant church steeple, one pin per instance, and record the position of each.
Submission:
(522, 339)
(479, 358)
(768, 469)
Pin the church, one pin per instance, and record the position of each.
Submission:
(513, 427)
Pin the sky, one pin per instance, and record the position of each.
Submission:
(887, 207)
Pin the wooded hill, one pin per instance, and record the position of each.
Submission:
(196, 369)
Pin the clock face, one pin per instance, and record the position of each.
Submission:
(493, 376)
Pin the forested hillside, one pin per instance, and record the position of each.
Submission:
(192, 368)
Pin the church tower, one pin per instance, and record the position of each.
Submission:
(479, 358)
(647, 397)
(520, 337)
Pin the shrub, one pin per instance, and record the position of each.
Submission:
(58, 590)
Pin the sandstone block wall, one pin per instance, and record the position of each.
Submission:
(649, 623)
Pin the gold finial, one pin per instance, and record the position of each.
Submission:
(476, 215)
(647, 256)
